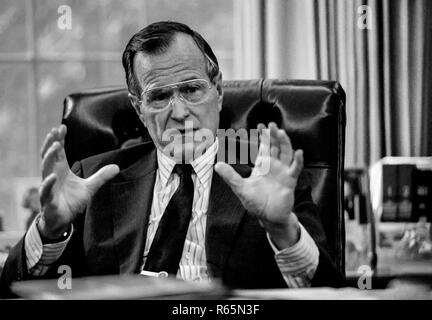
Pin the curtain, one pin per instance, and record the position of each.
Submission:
(248, 39)
(384, 65)
(385, 69)
(289, 39)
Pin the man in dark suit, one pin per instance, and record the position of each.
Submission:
(165, 207)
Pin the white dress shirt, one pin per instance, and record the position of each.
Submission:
(297, 263)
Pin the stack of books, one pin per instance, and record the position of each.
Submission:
(401, 189)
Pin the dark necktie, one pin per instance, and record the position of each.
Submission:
(167, 246)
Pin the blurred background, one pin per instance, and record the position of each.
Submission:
(379, 50)
(43, 59)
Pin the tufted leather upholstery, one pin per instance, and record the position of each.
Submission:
(311, 111)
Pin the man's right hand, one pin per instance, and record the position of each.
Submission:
(63, 195)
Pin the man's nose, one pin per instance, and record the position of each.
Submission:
(180, 110)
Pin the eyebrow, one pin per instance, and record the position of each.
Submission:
(190, 78)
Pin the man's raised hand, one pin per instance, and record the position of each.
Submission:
(62, 194)
(269, 192)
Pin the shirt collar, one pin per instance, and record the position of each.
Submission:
(202, 165)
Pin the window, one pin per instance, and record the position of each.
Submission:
(41, 63)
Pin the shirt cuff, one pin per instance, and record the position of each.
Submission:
(299, 262)
(40, 256)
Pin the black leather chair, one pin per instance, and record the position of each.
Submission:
(312, 112)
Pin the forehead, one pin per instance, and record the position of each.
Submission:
(182, 60)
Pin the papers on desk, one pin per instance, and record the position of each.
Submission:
(397, 290)
(324, 293)
(134, 287)
(127, 287)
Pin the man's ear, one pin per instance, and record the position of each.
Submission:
(136, 104)
(219, 88)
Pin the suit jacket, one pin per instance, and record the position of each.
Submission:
(109, 237)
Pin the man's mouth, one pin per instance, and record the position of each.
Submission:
(185, 131)
(180, 135)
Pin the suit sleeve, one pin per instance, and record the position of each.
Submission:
(15, 268)
(326, 273)
(297, 263)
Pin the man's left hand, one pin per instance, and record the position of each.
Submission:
(269, 191)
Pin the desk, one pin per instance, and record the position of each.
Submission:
(402, 290)
(132, 287)
(119, 287)
(390, 267)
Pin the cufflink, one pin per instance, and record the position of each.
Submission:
(161, 274)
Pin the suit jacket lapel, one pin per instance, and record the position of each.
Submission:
(132, 194)
(223, 217)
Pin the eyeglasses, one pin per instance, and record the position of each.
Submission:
(192, 91)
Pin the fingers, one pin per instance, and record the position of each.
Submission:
(276, 142)
(286, 151)
(297, 165)
(101, 177)
(47, 142)
(50, 158)
(62, 133)
(54, 154)
(56, 134)
(270, 144)
(230, 176)
(274, 152)
(260, 127)
(45, 190)
(53, 150)
(264, 147)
